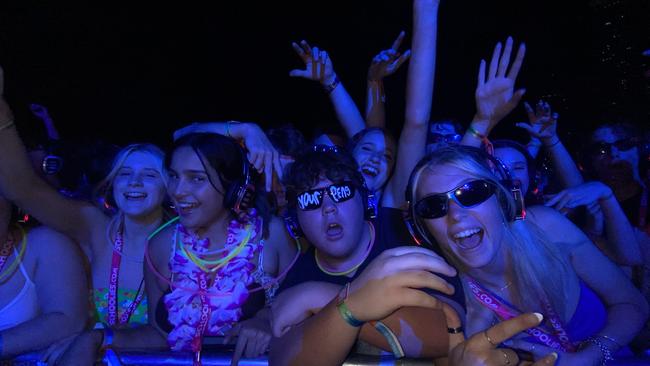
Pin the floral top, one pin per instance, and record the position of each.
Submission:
(125, 298)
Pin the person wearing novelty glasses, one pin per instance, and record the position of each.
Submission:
(509, 266)
(350, 253)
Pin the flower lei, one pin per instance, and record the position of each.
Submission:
(196, 306)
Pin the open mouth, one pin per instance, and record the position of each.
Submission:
(135, 196)
(184, 207)
(468, 239)
(334, 230)
(370, 170)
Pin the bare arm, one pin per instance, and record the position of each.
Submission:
(384, 64)
(620, 242)
(62, 295)
(542, 127)
(419, 94)
(20, 184)
(318, 67)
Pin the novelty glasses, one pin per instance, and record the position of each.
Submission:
(467, 195)
(313, 199)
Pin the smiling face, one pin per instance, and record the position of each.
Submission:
(138, 186)
(375, 155)
(335, 229)
(516, 164)
(472, 235)
(197, 202)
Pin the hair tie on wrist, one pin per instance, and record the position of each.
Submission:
(553, 144)
(330, 87)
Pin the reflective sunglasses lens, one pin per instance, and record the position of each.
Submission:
(474, 193)
(432, 207)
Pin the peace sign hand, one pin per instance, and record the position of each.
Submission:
(388, 61)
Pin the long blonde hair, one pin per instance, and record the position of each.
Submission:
(542, 269)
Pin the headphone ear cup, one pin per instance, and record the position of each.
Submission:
(239, 197)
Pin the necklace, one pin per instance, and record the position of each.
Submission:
(213, 265)
(356, 266)
(505, 286)
(119, 231)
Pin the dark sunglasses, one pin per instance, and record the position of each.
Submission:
(450, 139)
(467, 195)
(605, 148)
(313, 198)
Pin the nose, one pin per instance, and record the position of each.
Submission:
(329, 206)
(614, 152)
(456, 212)
(135, 180)
(177, 188)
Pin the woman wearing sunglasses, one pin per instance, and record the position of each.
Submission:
(511, 266)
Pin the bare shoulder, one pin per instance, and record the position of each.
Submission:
(49, 245)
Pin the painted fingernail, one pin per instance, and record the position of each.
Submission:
(539, 316)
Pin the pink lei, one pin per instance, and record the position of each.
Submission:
(196, 306)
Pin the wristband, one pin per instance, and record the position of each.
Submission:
(345, 313)
(476, 134)
(228, 127)
(330, 87)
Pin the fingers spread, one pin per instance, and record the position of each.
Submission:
(494, 62)
(505, 58)
(516, 65)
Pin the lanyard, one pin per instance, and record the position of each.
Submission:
(206, 311)
(558, 339)
(116, 261)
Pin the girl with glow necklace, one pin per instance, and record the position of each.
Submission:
(208, 274)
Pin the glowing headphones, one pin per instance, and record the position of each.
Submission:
(517, 212)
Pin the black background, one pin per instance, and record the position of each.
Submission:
(126, 74)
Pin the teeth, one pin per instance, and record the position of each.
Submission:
(332, 225)
(135, 195)
(466, 233)
(186, 205)
(370, 170)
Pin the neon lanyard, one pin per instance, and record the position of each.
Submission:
(558, 340)
(206, 312)
(116, 261)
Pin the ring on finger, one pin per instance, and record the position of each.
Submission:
(506, 356)
(487, 337)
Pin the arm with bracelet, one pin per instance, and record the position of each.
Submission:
(261, 153)
(384, 64)
(495, 93)
(318, 67)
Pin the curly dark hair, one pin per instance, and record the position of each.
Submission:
(307, 170)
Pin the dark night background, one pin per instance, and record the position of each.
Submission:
(127, 74)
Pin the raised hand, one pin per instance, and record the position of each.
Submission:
(542, 124)
(392, 280)
(495, 93)
(481, 348)
(586, 194)
(318, 66)
(388, 61)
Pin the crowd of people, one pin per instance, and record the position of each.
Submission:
(445, 243)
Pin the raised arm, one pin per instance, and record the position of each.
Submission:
(20, 184)
(542, 128)
(495, 92)
(42, 113)
(619, 241)
(318, 67)
(61, 289)
(260, 151)
(382, 65)
(419, 94)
